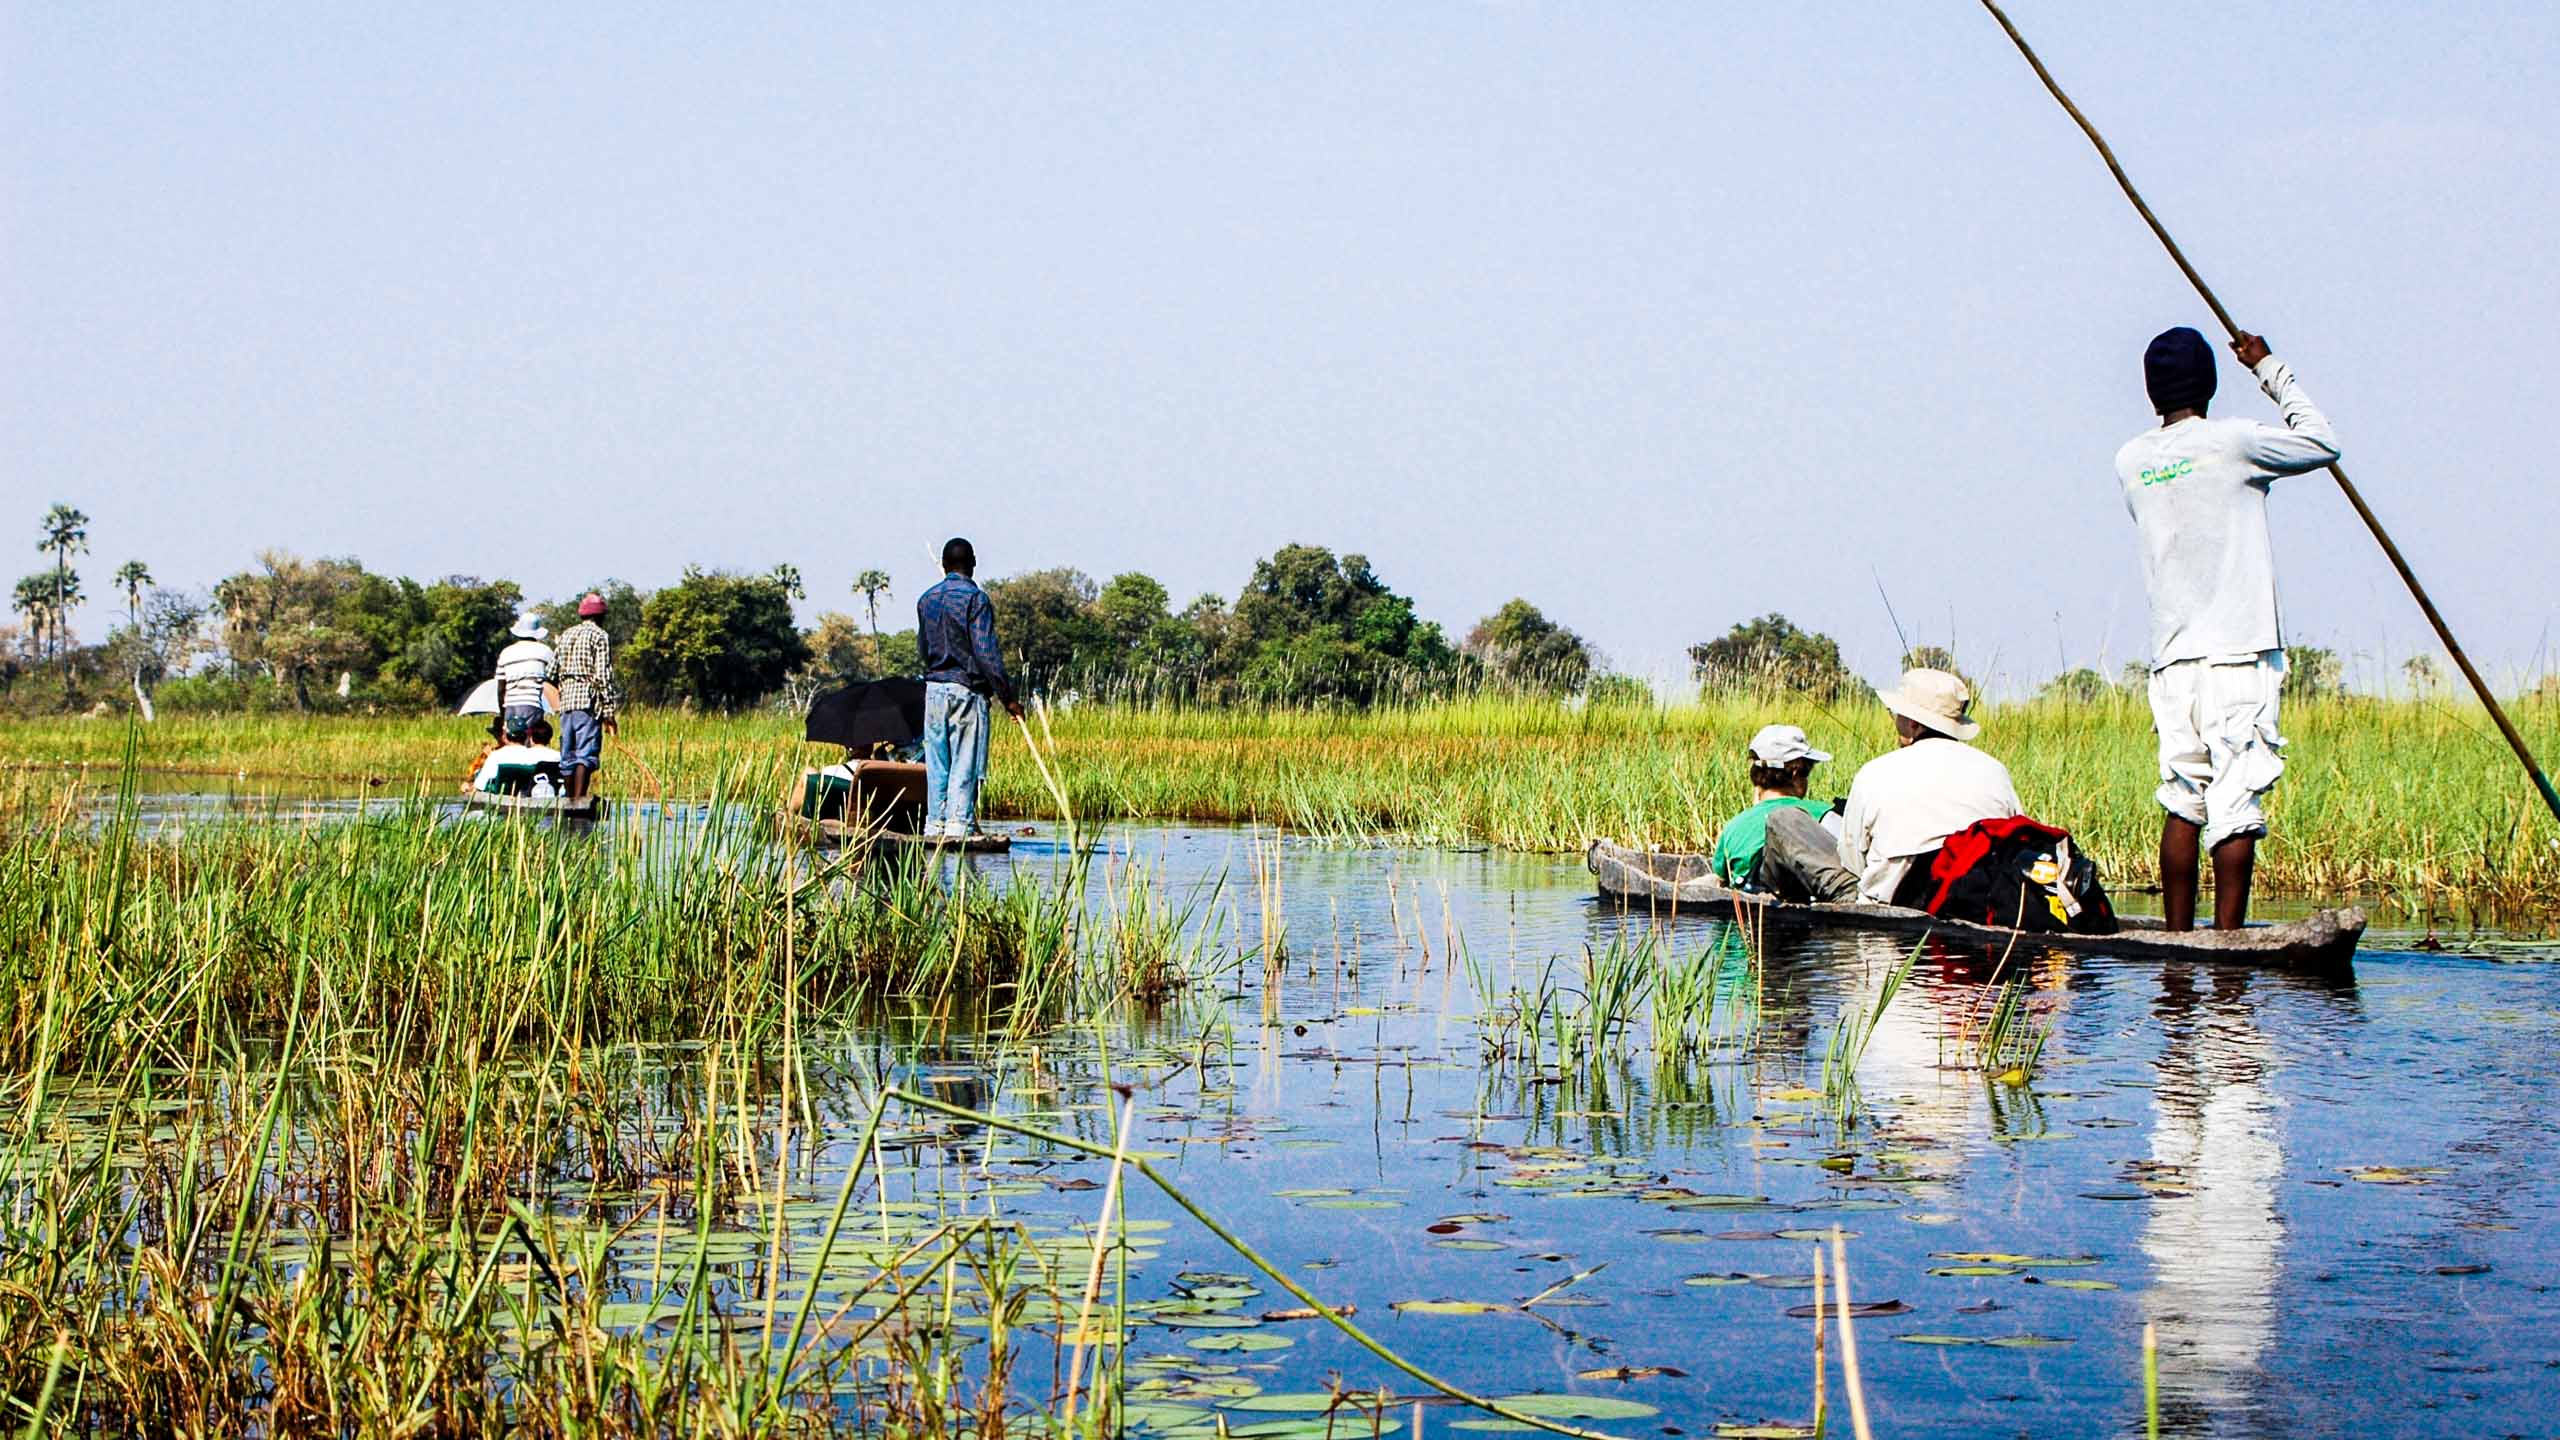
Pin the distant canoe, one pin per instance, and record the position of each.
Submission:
(2325, 942)
(838, 832)
(556, 806)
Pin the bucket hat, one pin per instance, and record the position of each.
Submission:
(1936, 699)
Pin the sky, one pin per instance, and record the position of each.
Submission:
(1660, 315)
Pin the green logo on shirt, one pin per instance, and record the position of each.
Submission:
(2163, 474)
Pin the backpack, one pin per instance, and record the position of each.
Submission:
(2019, 874)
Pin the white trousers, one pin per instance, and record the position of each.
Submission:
(2220, 751)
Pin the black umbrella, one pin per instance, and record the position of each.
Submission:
(873, 713)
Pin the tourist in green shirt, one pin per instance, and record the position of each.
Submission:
(1780, 846)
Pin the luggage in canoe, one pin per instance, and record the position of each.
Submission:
(882, 800)
(2326, 941)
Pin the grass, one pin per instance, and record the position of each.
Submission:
(396, 1125)
(2414, 803)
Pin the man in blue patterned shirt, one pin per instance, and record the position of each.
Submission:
(963, 666)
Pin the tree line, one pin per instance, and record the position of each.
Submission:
(1308, 627)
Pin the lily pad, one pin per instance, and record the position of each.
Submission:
(1447, 1307)
(1230, 1342)
(1577, 1407)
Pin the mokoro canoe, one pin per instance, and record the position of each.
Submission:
(2326, 941)
(561, 807)
(837, 832)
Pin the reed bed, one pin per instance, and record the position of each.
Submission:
(2411, 802)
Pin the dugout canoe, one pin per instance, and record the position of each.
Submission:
(2323, 942)
(557, 806)
(838, 832)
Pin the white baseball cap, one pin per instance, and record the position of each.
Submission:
(1777, 745)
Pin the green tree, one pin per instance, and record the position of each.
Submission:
(716, 640)
(66, 533)
(133, 577)
(1046, 622)
(2077, 687)
(1129, 609)
(1771, 654)
(2424, 675)
(1616, 692)
(285, 618)
(166, 633)
(1520, 647)
(842, 652)
(1937, 657)
(2312, 673)
(455, 644)
(623, 605)
(872, 586)
(33, 599)
(1322, 628)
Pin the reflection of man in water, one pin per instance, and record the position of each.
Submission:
(2218, 1136)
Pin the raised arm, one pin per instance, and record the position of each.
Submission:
(2306, 442)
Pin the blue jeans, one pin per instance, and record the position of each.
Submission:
(581, 740)
(955, 756)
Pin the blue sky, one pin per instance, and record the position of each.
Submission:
(1660, 315)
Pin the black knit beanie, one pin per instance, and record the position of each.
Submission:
(2178, 370)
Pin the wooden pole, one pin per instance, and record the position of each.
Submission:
(2346, 487)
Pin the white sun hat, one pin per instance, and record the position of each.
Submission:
(1779, 745)
(529, 626)
(1936, 699)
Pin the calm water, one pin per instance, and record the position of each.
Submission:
(2332, 1198)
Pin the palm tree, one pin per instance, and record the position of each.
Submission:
(66, 531)
(871, 585)
(34, 600)
(131, 577)
(788, 577)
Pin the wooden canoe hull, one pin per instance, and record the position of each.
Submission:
(838, 832)
(2325, 942)
(591, 808)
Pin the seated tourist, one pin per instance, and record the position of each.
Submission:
(1784, 845)
(526, 766)
(1906, 802)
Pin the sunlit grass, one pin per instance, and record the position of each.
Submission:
(2415, 801)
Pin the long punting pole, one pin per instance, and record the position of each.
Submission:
(2346, 487)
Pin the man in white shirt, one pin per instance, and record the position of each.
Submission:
(524, 667)
(2197, 489)
(1906, 802)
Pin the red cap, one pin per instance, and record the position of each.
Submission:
(591, 607)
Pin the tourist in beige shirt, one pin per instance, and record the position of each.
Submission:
(1906, 802)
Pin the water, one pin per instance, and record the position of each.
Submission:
(2329, 1197)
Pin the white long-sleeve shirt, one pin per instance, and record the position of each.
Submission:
(2198, 490)
(1905, 803)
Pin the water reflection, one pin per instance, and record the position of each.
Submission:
(2214, 1233)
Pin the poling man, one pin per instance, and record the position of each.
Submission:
(963, 667)
(2197, 489)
